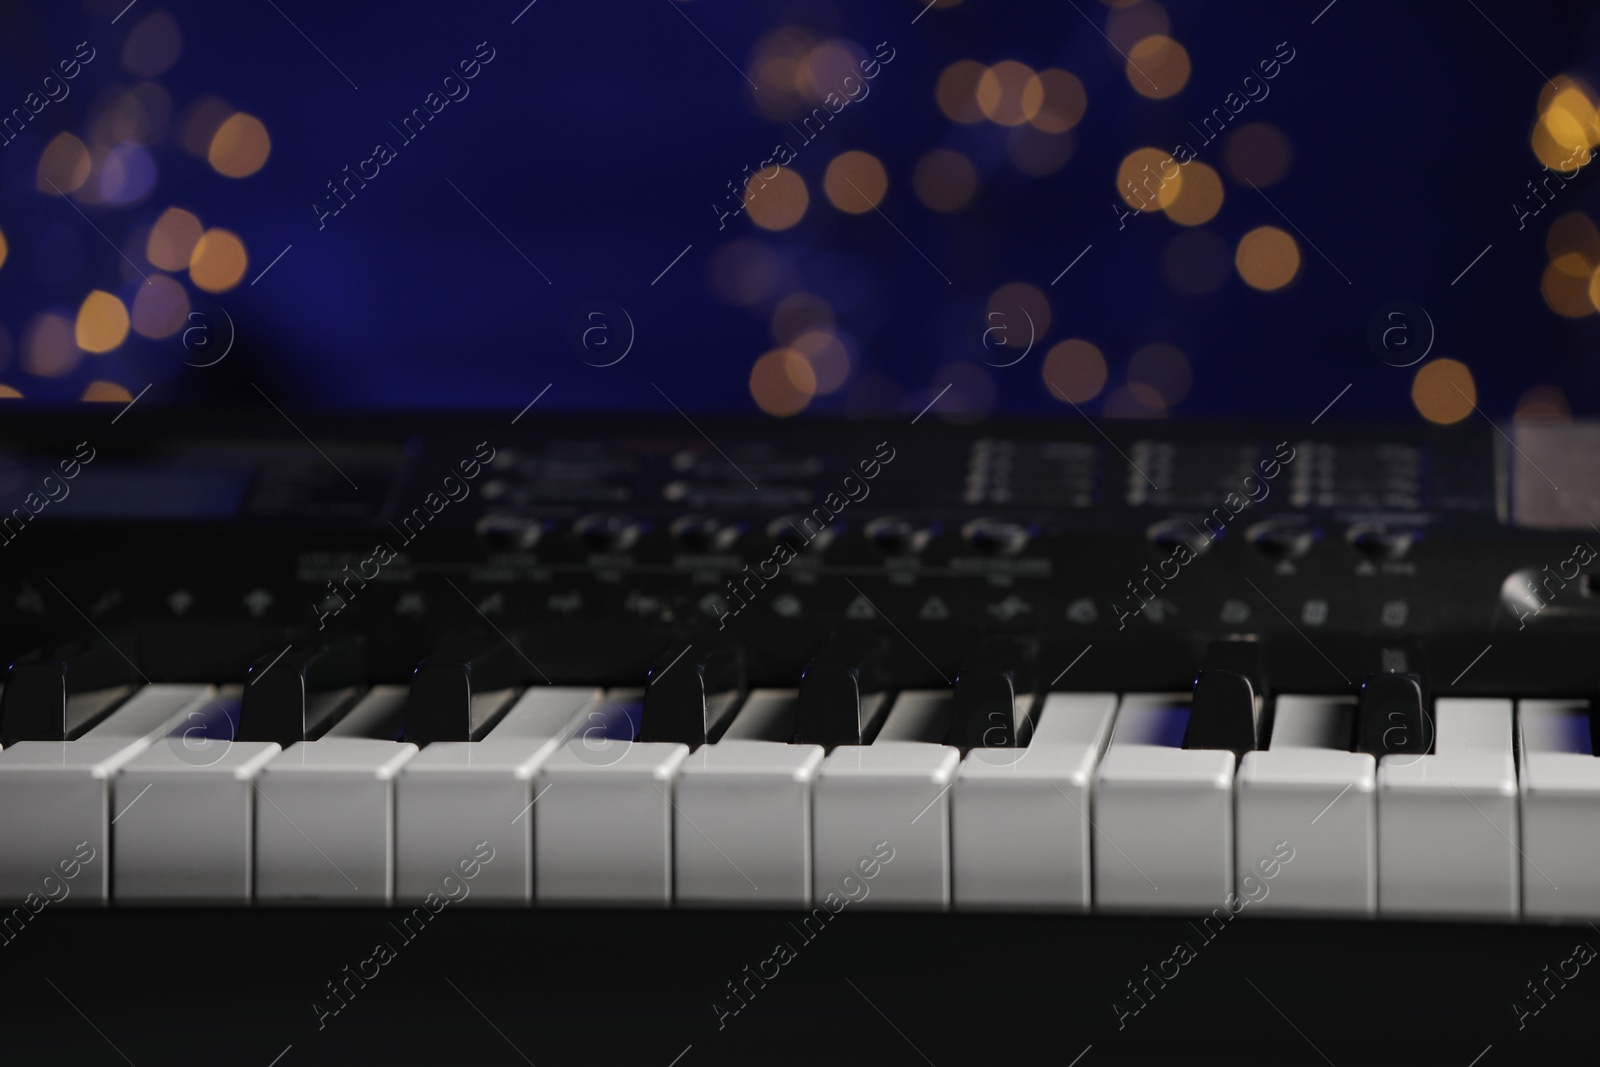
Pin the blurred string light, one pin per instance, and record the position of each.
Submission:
(1018, 316)
(1135, 400)
(780, 203)
(1148, 178)
(102, 323)
(1199, 196)
(1571, 282)
(1163, 368)
(153, 46)
(49, 349)
(218, 261)
(1546, 403)
(945, 180)
(112, 162)
(160, 308)
(1443, 391)
(747, 273)
(1158, 67)
(1568, 125)
(104, 392)
(782, 382)
(1009, 93)
(855, 182)
(1128, 25)
(1074, 369)
(1258, 154)
(172, 239)
(240, 146)
(63, 166)
(1267, 258)
(957, 91)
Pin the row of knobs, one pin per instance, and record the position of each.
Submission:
(1276, 539)
(611, 532)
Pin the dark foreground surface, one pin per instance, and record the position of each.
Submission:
(559, 987)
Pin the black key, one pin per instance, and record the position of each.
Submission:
(1226, 709)
(843, 695)
(56, 694)
(463, 688)
(992, 678)
(296, 693)
(1394, 715)
(692, 693)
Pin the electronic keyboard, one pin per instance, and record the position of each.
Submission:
(1054, 678)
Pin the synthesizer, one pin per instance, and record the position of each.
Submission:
(1061, 700)
(1003, 667)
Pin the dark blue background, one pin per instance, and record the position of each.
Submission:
(602, 132)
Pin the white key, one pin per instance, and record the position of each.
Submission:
(455, 794)
(1560, 811)
(603, 824)
(887, 799)
(1447, 822)
(1309, 798)
(742, 833)
(1019, 832)
(55, 796)
(1163, 814)
(185, 832)
(325, 816)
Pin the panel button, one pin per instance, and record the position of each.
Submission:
(995, 537)
(1379, 542)
(1282, 540)
(895, 536)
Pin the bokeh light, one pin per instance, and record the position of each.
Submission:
(1544, 403)
(1258, 154)
(945, 180)
(1568, 126)
(1074, 369)
(1010, 93)
(782, 382)
(1037, 154)
(153, 45)
(1267, 258)
(1565, 286)
(798, 314)
(829, 359)
(9, 393)
(746, 273)
(775, 67)
(5, 249)
(1574, 232)
(172, 239)
(63, 166)
(160, 308)
(957, 91)
(104, 392)
(855, 182)
(1158, 67)
(200, 123)
(1165, 369)
(1197, 262)
(218, 262)
(1443, 391)
(48, 348)
(1134, 401)
(1021, 314)
(1127, 26)
(824, 69)
(1149, 178)
(102, 323)
(1064, 101)
(779, 203)
(240, 146)
(1199, 197)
